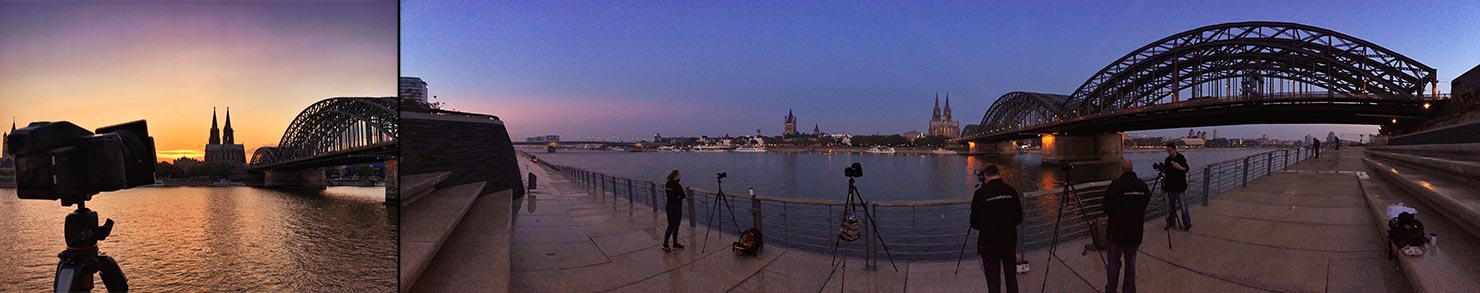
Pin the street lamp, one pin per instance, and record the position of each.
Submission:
(1426, 106)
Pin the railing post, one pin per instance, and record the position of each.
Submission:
(1246, 172)
(690, 198)
(653, 192)
(1207, 183)
(629, 194)
(755, 214)
(868, 233)
(1268, 163)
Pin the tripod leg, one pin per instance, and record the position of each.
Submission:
(875, 225)
(709, 225)
(962, 254)
(113, 277)
(1087, 223)
(1053, 247)
(731, 209)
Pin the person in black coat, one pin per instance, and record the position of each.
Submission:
(1315, 147)
(1125, 205)
(996, 211)
(676, 195)
(1174, 167)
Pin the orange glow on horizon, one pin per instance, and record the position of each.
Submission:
(101, 64)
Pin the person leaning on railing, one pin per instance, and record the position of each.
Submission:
(675, 193)
(996, 211)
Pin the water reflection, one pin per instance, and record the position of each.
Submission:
(216, 239)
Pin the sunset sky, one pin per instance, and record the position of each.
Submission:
(632, 68)
(101, 63)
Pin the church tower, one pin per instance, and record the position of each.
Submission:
(230, 136)
(790, 127)
(215, 132)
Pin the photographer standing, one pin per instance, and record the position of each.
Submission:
(996, 211)
(1315, 147)
(1125, 205)
(675, 210)
(1174, 185)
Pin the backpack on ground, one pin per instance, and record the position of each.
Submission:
(750, 242)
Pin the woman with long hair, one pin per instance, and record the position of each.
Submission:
(675, 210)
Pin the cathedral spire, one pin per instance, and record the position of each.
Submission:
(947, 105)
(936, 114)
(229, 136)
(215, 132)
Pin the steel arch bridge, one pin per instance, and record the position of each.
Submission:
(1016, 110)
(335, 131)
(1251, 58)
(1249, 63)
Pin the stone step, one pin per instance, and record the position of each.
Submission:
(416, 185)
(1460, 152)
(1457, 200)
(1452, 167)
(427, 223)
(1449, 266)
(475, 258)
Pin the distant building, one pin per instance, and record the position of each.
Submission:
(224, 148)
(816, 130)
(790, 127)
(413, 89)
(546, 138)
(943, 125)
(5, 141)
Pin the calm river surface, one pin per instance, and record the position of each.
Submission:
(193, 239)
(886, 177)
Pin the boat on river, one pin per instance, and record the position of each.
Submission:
(881, 150)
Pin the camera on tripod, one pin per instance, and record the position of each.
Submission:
(721, 175)
(854, 171)
(61, 161)
(1158, 166)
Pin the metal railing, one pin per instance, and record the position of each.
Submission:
(915, 229)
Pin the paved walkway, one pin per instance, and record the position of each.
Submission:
(1290, 232)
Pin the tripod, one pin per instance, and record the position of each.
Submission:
(1171, 210)
(1069, 192)
(719, 199)
(850, 206)
(82, 259)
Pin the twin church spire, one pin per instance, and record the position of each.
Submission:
(217, 137)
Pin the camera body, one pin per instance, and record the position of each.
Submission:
(1158, 166)
(721, 175)
(61, 161)
(854, 171)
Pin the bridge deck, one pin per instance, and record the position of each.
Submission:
(1280, 234)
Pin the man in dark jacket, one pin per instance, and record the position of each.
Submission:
(996, 211)
(1174, 167)
(1125, 205)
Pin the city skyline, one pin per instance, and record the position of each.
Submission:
(713, 68)
(97, 64)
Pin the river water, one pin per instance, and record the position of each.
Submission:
(886, 177)
(192, 239)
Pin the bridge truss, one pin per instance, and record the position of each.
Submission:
(335, 126)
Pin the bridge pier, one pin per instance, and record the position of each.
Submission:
(306, 178)
(992, 148)
(1058, 149)
(392, 185)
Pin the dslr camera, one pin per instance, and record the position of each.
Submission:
(61, 161)
(721, 175)
(1158, 166)
(853, 171)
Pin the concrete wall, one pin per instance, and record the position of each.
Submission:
(474, 148)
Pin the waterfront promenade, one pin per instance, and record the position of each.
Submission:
(1305, 230)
